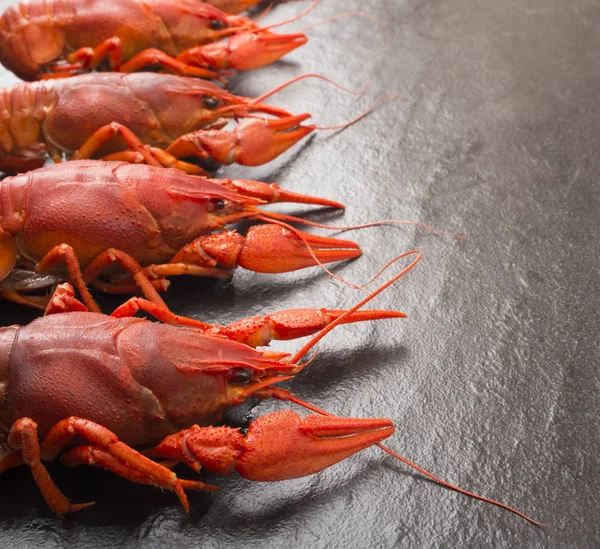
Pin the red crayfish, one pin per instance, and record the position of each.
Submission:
(141, 383)
(158, 118)
(93, 214)
(138, 382)
(65, 37)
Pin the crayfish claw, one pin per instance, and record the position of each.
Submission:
(282, 445)
(276, 249)
(253, 142)
(278, 446)
(260, 140)
(257, 48)
(295, 323)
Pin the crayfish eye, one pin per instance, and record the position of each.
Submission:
(217, 24)
(215, 205)
(239, 375)
(211, 102)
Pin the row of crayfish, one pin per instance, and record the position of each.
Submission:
(126, 224)
(121, 226)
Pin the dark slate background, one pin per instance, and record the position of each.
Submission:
(492, 380)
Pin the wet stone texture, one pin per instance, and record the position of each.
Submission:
(492, 380)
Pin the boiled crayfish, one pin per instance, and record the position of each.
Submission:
(93, 214)
(156, 118)
(141, 383)
(65, 37)
(138, 382)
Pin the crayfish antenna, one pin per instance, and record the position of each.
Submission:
(456, 488)
(292, 81)
(342, 228)
(362, 14)
(271, 193)
(366, 112)
(235, 6)
(302, 14)
(265, 12)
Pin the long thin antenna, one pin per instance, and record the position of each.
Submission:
(294, 18)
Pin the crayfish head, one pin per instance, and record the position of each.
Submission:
(254, 376)
(191, 23)
(222, 212)
(228, 105)
(185, 104)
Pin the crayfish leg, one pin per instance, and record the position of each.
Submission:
(99, 457)
(89, 58)
(153, 56)
(166, 159)
(106, 133)
(24, 436)
(110, 256)
(37, 302)
(135, 304)
(11, 460)
(138, 152)
(64, 252)
(63, 300)
(106, 451)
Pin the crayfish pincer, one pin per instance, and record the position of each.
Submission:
(154, 222)
(141, 383)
